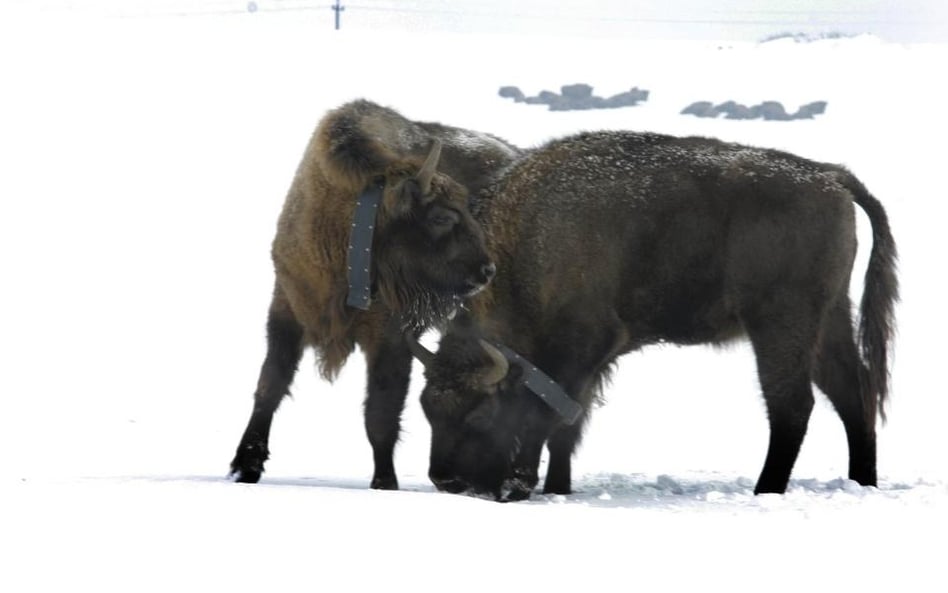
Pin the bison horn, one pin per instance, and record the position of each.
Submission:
(427, 171)
(498, 370)
(424, 355)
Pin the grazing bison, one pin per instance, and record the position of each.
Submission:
(426, 253)
(607, 242)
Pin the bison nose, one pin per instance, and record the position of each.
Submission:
(488, 271)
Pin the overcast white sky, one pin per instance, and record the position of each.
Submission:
(907, 20)
(894, 20)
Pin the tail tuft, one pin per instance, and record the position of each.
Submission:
(881, 292)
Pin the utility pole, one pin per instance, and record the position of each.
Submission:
(338, 9)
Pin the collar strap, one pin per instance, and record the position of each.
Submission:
(544, 387)
(359, 257)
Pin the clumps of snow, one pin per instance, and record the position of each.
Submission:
(817, 47)
(808, 37)
(474, 142)
(662, 486)
(669, 484)
(765, 162)
(711, 491)
(815, 486)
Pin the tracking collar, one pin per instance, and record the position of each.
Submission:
(359, 256)
(544, 387)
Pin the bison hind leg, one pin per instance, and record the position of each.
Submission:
(284, 350)
(784, 339)
(836, 372)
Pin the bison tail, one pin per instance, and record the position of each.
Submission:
(358, 141)
(881, 292)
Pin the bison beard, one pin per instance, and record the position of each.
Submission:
(430, 310)
(607, 242)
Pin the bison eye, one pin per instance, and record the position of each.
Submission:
(481, 418)
(442, 220)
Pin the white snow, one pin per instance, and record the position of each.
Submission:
(143, 163)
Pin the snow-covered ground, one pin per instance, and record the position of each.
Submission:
(143, 163)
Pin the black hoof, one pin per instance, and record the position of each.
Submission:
(245, 476)
(384, 483)
(247, 466)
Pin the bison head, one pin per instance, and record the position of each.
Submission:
(429, 250)
(480, 415)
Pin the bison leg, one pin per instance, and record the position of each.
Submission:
(284, 350)
(783, 343)
(576, 356)
(561, 445)
(524, 475)
(836, 373)
(388, 361)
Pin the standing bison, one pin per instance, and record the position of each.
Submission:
(607, 242)
(426, 253)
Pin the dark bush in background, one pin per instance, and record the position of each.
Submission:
(576, 96)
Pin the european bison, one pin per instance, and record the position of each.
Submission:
(606, 242)
(426, 253)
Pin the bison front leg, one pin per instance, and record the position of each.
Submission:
(562, 444)
(284, 350)
(561, 439)
(388, 362)
(523, 476)
(581, 361)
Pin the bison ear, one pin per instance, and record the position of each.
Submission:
(414, 190)
(400, 199)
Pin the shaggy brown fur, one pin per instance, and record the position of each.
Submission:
(354, 145)
(606, 242)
